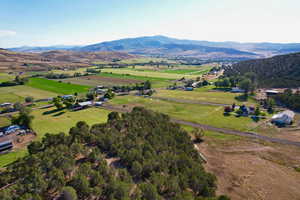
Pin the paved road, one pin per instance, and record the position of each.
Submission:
(221, 130)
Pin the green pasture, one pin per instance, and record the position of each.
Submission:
(57, 87)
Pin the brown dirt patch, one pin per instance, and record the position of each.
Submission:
(253, 171)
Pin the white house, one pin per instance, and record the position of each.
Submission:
(283, 118)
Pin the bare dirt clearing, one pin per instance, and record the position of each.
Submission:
(253, 171)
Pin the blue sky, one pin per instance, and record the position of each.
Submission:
(53, 22)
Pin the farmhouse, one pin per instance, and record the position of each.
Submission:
(6, 145)
(283, 118)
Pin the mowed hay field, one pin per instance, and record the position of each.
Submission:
(57, 87)
(55, 122)
(14, 94)
(204, 114)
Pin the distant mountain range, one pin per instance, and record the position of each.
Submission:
(170, 47)
(279, 71)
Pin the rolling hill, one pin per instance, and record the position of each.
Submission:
(10, 60)
(280, 71)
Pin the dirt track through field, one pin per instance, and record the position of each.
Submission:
(220, 130)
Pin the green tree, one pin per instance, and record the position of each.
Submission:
(109, 94)
(69, 193)
(149, 192)
(29, 99)
(245, 85)
(24, 118)
(136, 169)
(57, 101)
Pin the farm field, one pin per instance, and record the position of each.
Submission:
(205, 114)
(54, 123)
(18, 93)
(156, 82)
(155, 74)
(95, 80)
(56, 87)
(204, 94)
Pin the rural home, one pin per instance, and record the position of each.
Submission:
(283, 118)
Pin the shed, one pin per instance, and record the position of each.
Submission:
(283, 118)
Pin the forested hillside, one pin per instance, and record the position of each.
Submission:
(279, 71)
(138, 155)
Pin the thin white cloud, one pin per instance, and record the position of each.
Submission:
(5, 33)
